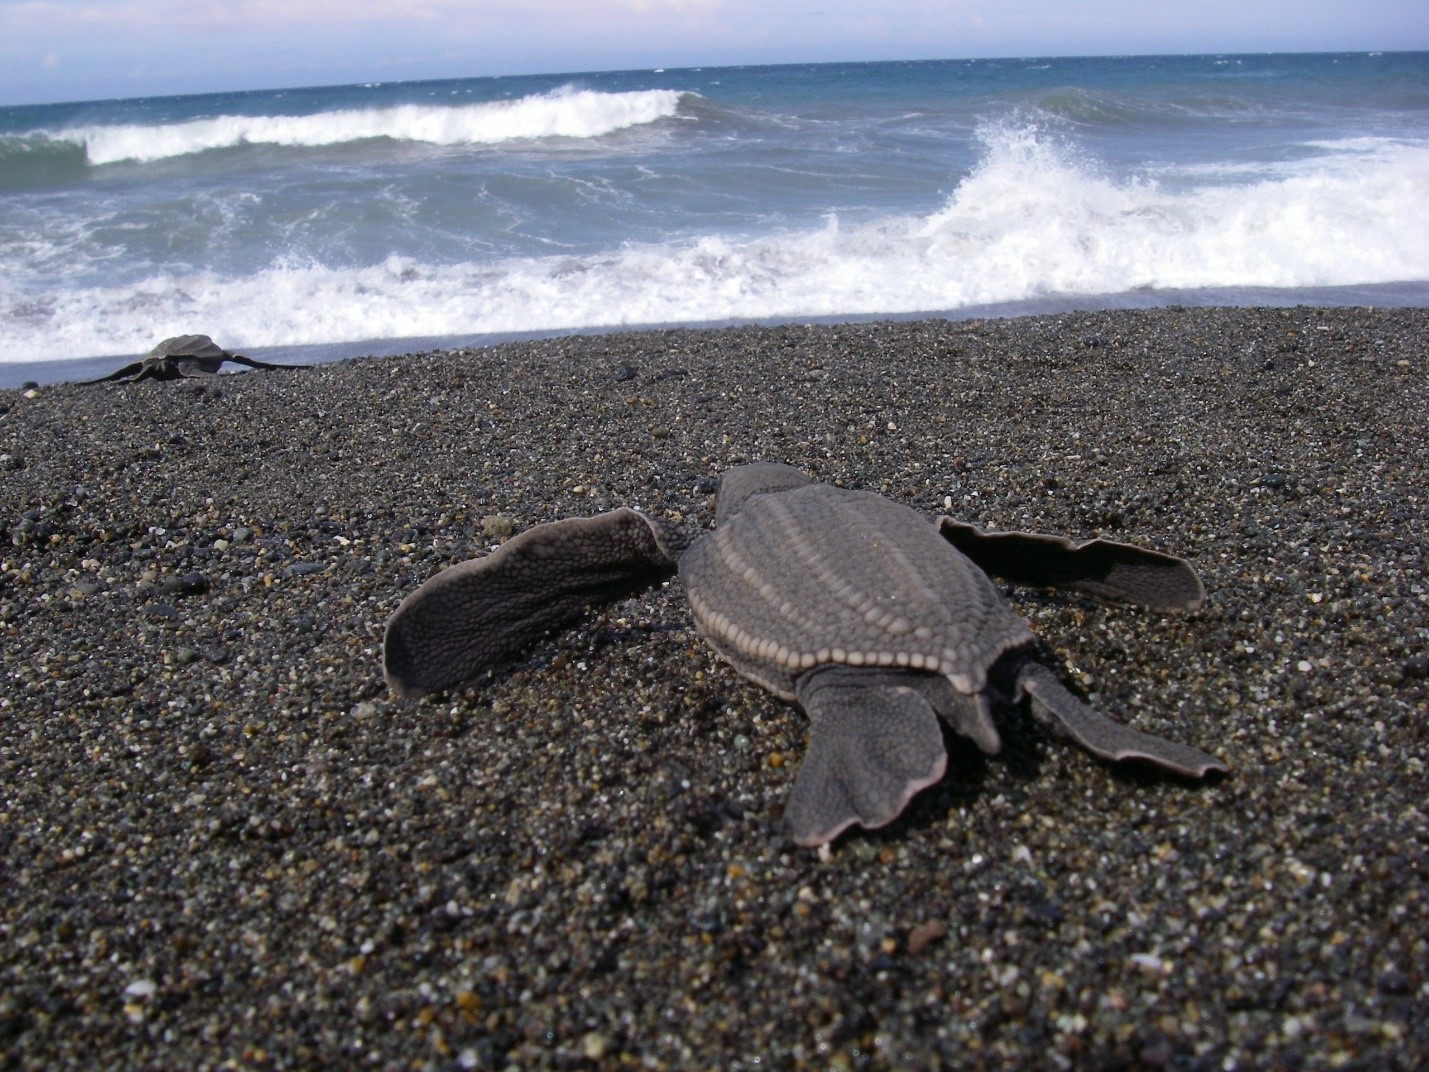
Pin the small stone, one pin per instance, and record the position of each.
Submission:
(1357, 1023)
(1392, 982)
(467, 1001)
(140, 989)
(923, 935)
(1416, 666)
(594, 1045)
(497, 526)
(188, 584)
(864, 851)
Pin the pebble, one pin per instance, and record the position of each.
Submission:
(190, 583)
(497, 526)
(594, 1045)
(923, 935)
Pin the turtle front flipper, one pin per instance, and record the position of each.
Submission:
(1054, 706)
(1103, 568)
(487, 611)
(128, 370)
(873, 744)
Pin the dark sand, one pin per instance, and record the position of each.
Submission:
(222, 845)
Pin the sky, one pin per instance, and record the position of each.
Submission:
(57, 50)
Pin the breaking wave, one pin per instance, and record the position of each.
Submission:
(563, 113)
(1033, 219)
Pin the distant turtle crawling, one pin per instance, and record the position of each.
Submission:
(871, 619)
(181, 357)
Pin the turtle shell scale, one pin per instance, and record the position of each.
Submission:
(822, 575)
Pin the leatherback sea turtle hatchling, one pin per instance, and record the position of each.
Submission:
(858, 609)
(181, 357)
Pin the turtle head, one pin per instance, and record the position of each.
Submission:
(759, 478)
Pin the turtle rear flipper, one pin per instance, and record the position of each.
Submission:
(485, 612)
(1054, 706)
(1104, 568)
(872, 746)
(253, 362)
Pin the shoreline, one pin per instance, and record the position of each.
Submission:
(222, 840)
(1410, 294)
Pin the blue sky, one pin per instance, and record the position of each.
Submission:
(53, 50)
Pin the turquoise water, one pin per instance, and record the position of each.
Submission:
(332, 217)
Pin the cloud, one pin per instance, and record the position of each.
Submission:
(57, 16)
(50, 60)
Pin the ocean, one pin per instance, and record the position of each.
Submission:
(319, 223)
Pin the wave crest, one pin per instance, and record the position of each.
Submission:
(563, 113)
(1034, 219)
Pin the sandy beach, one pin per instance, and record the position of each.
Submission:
(222, 845)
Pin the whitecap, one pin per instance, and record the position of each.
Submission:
(567, 112)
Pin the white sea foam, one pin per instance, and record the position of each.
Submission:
(564, 113)
(1031, 220)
